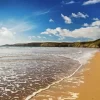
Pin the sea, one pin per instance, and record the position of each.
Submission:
(26, 71)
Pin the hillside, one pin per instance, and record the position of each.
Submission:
(89, 44)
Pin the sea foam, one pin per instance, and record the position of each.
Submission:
(81, 56)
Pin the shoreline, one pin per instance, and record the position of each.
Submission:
(81, 86)
(91, 88)
(31, 97)
(39, 91)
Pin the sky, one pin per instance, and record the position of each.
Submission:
(23, 21)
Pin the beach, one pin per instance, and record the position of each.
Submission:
(49, 49)
(90, 90)
(83, 85)
(41, 72)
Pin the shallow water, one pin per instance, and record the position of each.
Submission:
(25, 70)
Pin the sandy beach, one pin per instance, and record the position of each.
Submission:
(90, 90)
(84, 85)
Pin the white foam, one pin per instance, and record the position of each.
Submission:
(74, 95)
(82, 60)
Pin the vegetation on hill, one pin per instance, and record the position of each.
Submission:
(88, 44)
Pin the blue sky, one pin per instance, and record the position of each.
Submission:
(49, 20)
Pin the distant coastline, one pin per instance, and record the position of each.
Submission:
(86, 44)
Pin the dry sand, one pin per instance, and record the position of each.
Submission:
(90, 90)
(84, 85)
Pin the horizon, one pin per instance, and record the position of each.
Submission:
(25, 21)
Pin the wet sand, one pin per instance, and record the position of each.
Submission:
(84, 85)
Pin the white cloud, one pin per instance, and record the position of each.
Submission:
(6, 33)
(6, 36)
(12, 31)
(51, 20)
(36, 37)
(95, 19)
(92, 31)
(85, 24)
(66, 19)
(71, 2)
(89, 2)
(79, 15)
(96, 23)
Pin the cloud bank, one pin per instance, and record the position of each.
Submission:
(12, 29)
(91, 31)
(6, 35)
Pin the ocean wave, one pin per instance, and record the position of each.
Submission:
(32, 70)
